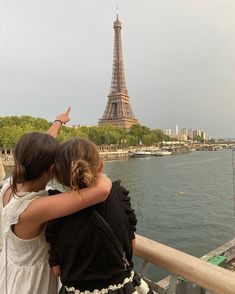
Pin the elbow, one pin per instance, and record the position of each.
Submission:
(104, 185)
(106, 190)
(105, 193)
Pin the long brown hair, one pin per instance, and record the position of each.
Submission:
(77, 163)
(33, 155)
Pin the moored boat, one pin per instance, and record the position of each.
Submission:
(162, 153)
(142, 153)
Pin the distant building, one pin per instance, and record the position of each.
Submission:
(196, 133)
(74, 126)
(205, 136)
(179, 137)
(168, 132)
(177, 129)
(184, 131)
(190, 133)
(185, 134)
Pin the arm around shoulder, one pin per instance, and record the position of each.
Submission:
(44, 209)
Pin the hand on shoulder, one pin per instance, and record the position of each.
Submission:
(104, 183)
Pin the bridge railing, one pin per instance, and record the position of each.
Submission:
(208, 276)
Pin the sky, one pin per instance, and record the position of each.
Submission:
(179, 60)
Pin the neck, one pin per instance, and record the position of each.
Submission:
(32, 186)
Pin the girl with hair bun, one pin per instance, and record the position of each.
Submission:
(82, 252)
(25, 209)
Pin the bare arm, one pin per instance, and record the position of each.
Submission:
(56, 270)
(44, 209)
(61, 119)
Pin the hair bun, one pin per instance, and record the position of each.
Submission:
(80, 174)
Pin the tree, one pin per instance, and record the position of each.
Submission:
(160, 136)
(13, 127)
(131, 140)
(199, 139)
(149, 139)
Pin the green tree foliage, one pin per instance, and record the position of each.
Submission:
(149, 139)
(131, 140)
(13, 127)
(24, 122)
(199, 139)
(67, 133)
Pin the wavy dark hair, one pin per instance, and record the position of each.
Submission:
(33, 155)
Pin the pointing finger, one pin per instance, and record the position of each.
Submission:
(68, 110)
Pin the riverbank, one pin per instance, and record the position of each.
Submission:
(111, 152)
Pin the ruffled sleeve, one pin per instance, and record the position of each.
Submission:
(3, 190)
(17, 205)
(130, 212)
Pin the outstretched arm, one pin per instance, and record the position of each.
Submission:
(44, 209)
(60, 120)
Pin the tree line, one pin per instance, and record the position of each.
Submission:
(13, 127)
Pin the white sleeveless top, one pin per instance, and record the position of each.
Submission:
(24, 267)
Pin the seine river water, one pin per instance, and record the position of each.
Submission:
(184, 201)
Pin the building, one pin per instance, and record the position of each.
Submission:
(168, 132)
(185, 134)
(118, 110)
(197, 133)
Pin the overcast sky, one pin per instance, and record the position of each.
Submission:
(179, 60)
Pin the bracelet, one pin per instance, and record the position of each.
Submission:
(61, 123)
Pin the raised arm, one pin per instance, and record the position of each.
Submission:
(60, 120)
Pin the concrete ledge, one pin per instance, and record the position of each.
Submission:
(200, 272)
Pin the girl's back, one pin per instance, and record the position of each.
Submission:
(88, 258)
(23, 262)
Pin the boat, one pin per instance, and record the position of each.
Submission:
(162, 153)
(142, 153)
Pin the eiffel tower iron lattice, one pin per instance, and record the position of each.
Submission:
(118, 110)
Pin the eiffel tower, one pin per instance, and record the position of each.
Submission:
(118, 110)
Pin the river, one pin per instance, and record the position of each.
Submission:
(184, 201)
